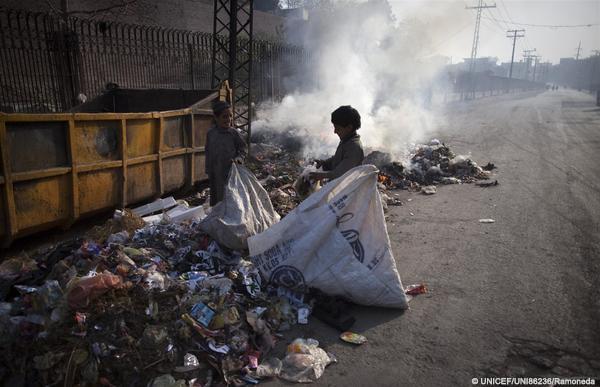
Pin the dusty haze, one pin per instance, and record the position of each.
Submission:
(366, 57)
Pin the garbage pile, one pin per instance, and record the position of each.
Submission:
(281, 173)
(277, 170)
(160, 305)
(429, 165)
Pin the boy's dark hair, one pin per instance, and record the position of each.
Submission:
(219, 106)
(346, 115)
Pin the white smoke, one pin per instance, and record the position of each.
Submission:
(379, 63)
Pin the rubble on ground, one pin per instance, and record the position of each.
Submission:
(429, 165)
(161, 304)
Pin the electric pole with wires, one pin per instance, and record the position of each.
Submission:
(527, 55)
(515, 34)
(479, 7)
(536, 59)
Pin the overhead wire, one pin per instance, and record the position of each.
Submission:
(550, 25)
(524, 44)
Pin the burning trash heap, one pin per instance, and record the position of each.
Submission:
(279, 170)
(159, 304)
(428, 165)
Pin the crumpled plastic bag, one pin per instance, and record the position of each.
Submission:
(88, 288)
(305, 361)
(267, 369)
(13, 268)
(246, 210)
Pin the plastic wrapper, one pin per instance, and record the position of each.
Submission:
(268, 369)
(414, 290)
(305, 362)
(13, 268)
(89, 288)
(354, 338)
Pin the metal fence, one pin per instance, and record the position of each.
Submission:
(50, 64)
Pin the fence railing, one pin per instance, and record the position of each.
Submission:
(50, 64)
(469, 86)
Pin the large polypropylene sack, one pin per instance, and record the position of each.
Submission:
(245, 210)
(336, 241)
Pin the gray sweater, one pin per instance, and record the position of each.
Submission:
(222, 145)
(349, 154)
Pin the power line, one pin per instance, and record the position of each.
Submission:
(506, 10)
(435, 46)
(504, 26)
(548, 25)
(526, 43)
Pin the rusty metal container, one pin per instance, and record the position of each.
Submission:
(124, 147)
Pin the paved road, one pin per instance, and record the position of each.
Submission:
(519, 297)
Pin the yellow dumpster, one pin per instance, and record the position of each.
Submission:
(123, 147)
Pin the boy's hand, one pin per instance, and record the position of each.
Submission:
(238, 160)
(318, 175)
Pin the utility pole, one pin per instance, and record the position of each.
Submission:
(480, 6)
(546, 71)
(578, 51)
(536, 59)
(515, 34)
(527, 55)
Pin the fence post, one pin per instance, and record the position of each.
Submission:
(66, 63)
(191, 52)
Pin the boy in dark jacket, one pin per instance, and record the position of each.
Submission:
(224, 145)
(349, 153)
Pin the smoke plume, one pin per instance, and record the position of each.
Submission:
(366, 56)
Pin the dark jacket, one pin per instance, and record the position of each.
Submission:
(222, 145)
(349, 154)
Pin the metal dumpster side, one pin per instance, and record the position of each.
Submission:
(57, 168)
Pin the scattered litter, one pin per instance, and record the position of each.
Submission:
(429, 189)
(303, 314)
(270, 368)
(485, 184)
(414, 290)
(157, 205)
(487, 221)
(305, 362)
(354, 338)
(488, 167)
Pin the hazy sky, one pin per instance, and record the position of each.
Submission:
(450, 26)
